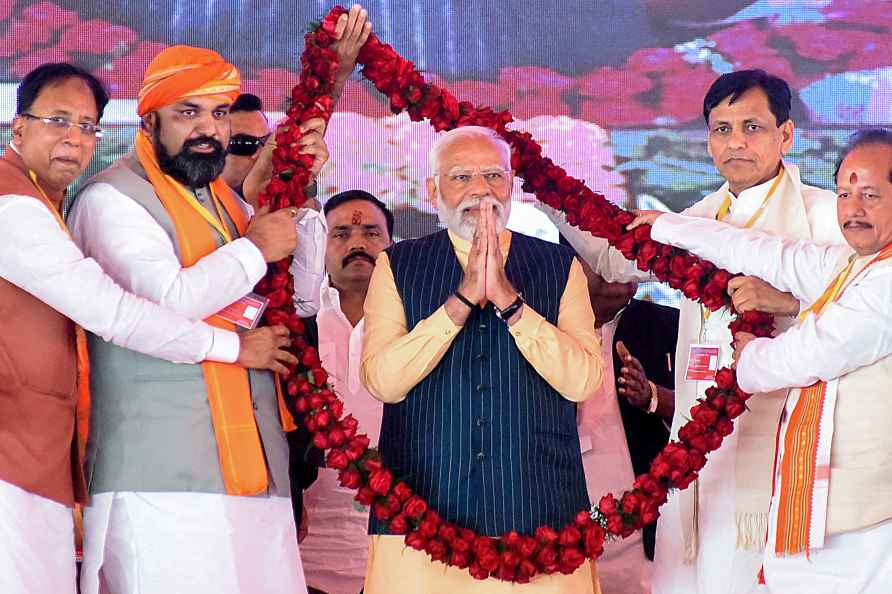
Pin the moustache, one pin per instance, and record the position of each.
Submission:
(358, 255)
(213, 142)
(857, 224)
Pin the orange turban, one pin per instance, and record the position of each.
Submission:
(183, 71)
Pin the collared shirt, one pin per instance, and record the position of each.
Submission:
(39, 257)
(335, 551)
(567, 356)
(134, 249)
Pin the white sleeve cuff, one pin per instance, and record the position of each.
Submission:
(225, 346)
(244, 250)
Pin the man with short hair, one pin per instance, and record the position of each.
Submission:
(249, 132)
(480, 342)
(49, 292)
(360, 227)
(710, 536)
(188, 464)
(830, 527)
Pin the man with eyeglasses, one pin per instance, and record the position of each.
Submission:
(189, 466)
(494, 337)
(49, 291)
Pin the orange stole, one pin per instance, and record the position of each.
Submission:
(238, 441)
(799, 468)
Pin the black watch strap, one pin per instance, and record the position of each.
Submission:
(465, 300)
(505, 314)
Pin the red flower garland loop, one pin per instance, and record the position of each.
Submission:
(511, 557)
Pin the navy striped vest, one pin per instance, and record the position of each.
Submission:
(483, 438)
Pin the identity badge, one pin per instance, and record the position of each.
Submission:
(703, 362)
(245, 312)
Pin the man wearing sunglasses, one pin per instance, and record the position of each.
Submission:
(249, 132)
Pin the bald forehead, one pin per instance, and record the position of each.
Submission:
(473, 151)
(248, 122)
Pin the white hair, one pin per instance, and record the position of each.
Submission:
(441, 143)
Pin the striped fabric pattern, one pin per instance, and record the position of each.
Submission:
(483, 437)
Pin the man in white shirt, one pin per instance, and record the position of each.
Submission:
(830, 527)
(49, 291)
(188, 465)
(710, 536)
(359, 228)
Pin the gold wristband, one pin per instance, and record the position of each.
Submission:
(654, 398)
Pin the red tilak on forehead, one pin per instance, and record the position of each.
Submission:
(853, 179)
(357, 218)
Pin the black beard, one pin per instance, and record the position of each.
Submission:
(194, 170)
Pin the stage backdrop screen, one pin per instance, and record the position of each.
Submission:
(612, 89)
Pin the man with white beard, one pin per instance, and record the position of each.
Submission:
(492, 333)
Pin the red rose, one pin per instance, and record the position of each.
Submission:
(428, 528)
(372, 464)
(337, 459)
(365, 496)
(509, 559)
(320, 376)
(570, 535)
(436, 549)
(302, 404)
(649, 513)
(336, 407)
(349, 425)
(525, 571)
(402, 491)
(415, 507)
(627, 246)
(583, 519)
(505, 574)
(607, 505)
(571, 560)
(320, 440)
(316, 401)
(705, 414)
(646, 253)
(513, 539)
(460, 559)
(448, 533)
(477, 572)
(691, 289)
(350, 478)
(594, 541)
(309, 358)
(724, 427)
(717, 400)
(713, 441)
(725, 379)
(461, 545)
(380, 481)
(648, 484)
(548, 559)
(323, 418)
(546, 534)
(630, 502)
(336, 437)
(734, 408)
(489, 559)
(615, 524)
(416, 541)
(642, 233)
(660, 469)
(398, 525)
(382, 511)
(698, 443)
(528, 547)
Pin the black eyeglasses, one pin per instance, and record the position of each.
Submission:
(245, 145)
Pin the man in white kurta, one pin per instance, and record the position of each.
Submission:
(335, 551)
(833, 532)
(40, 264)
(710, 536)
(194, 539)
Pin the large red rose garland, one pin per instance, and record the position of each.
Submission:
(512, 557)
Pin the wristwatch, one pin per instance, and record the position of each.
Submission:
(505, 314)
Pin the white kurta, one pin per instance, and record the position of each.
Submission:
(715, 563)
(36, 534)
(335, 551)
(851, 562)
(623, 568)
(152, 540)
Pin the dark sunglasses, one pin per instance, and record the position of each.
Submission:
(245, 145)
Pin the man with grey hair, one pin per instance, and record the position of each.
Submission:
(493, 334)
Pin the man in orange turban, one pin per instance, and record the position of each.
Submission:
(188, 464)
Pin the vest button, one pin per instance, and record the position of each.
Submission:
(482, 387)
(481, 422)
(480, 456)
(480, 356)
(482, 327)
